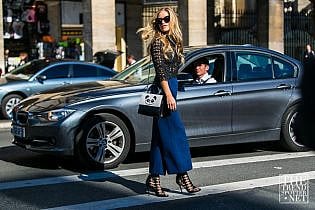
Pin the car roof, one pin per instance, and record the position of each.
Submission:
(52, 61)
(191, 51)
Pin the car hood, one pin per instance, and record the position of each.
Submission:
(61, 97)
(9, 80)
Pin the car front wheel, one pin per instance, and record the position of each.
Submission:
(288, 132)
(8, 103)
(103, 142)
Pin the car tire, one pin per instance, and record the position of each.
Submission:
(8, 103)
(288, 133)
(103, 142)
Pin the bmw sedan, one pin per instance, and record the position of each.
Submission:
(43, 74)
(255, 99)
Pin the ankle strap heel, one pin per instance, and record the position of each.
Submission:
(153, 184)
(184, 181)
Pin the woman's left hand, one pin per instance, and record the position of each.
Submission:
(171, 102)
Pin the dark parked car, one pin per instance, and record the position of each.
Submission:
(255, 99)
(43, 74)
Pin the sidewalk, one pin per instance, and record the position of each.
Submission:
(5, 124)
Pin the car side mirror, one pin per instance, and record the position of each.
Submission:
(41, 78)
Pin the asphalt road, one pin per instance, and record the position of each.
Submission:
(248, 176)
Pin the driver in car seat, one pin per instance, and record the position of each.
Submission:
(201, 67)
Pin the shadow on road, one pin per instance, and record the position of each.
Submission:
(215, 151)
(19, 156)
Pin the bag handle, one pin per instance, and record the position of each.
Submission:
(152, 88)
(147, 88)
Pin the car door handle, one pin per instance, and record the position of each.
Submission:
(284, 86)
(222, 93)
(65, 83)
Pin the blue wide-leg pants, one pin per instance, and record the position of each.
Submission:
(169, 146)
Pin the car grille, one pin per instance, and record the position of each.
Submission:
(21, 117)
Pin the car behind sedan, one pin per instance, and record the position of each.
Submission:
(254, 99)
(44, 74)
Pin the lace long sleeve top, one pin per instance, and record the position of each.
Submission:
(165, 68)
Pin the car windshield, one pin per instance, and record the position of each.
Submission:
(29, 69)
(142, 72)
(139, 73)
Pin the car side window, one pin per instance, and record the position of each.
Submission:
(283, 69)
(252, 67)
(80, 70)
(57, 72)
(216, 69)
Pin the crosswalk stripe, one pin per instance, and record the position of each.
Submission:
(141, 171)
(207, 190)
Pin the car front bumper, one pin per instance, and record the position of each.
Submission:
(53, 138)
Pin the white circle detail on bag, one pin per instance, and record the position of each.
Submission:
(149, 99)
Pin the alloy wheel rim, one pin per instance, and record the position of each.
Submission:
(105, 142)
(291, 130)
(10, 105)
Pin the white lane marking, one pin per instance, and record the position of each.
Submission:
(207, 190)
(141, 171)
(253, 159)
(5, 125)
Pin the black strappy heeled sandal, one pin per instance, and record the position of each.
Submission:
(183, 180)
(153, 184)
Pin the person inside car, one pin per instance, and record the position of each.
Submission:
(201, 67)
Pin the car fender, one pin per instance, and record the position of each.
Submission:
(294, 100)
(126, 108)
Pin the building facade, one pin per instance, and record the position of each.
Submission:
(80, 28)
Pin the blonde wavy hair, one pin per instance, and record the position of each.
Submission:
(152, 32)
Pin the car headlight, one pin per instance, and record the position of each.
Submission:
(54, 115)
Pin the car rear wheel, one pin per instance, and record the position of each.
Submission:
(8, 103)
(288, 135)
(103, 142)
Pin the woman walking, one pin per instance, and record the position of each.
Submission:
(169, 146)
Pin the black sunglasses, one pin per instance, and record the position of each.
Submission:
(160, 20)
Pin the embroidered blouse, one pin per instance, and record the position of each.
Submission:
(165, 68)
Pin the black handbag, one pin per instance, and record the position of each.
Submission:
(152, 102)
